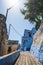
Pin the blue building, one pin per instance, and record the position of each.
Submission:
(27, 39)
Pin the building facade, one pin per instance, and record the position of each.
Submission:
(13, 45)
(3, 35)
(27, 39)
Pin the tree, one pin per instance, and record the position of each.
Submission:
(34, 11)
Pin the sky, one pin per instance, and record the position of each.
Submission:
(15, 18)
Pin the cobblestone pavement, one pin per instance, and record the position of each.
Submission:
(26, 58)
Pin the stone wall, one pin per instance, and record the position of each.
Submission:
(12, 48)
(3, 35)
(37, 46)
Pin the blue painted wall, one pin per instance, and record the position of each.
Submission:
(10, 59)
(27, 39)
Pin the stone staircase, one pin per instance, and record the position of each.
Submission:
(26, 58)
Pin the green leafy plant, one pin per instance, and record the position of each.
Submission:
(33, 11)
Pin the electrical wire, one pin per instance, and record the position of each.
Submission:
(10, 25)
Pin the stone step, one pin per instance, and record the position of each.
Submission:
(26, 58)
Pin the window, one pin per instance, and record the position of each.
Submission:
(29, 34)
